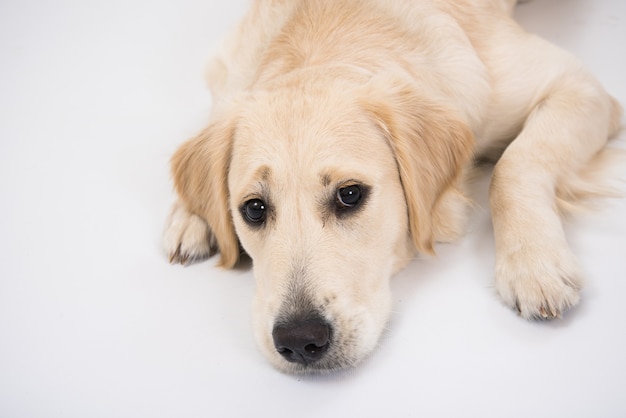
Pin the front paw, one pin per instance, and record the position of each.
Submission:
(538, 286)
(187, 237)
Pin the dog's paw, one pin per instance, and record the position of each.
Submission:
(187, 237)
(538, 286)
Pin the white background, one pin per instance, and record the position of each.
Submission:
(95, 97)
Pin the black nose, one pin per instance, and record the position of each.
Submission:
(302, 342)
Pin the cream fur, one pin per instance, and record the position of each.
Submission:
(397, 96)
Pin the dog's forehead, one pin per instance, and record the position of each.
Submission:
(324, 145)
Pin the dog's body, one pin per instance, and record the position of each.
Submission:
(340, 140)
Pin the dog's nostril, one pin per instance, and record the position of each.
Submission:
(303, 342)
(313, 349)
(284, 351)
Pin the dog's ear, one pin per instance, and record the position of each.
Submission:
(431, 145)
(200, 172)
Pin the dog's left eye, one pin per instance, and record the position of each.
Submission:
(254, 211)
(349, 196)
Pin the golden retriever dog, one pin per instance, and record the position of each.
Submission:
(339, 145)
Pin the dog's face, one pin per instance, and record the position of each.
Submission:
(316, 185)
(317, 203)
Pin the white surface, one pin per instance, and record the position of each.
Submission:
(94, 98)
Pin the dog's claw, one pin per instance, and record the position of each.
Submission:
(175, 256)
(554, 312)
(548, 312)
(544, 312)
(517, 306)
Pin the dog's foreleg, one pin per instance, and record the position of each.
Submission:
(536, 272)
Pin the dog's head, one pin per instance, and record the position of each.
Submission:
(329, 188)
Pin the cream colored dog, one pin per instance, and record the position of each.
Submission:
(339, 143)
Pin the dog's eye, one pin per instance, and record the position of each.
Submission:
(349, 196)
(254, 211)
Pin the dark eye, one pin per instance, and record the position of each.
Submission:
(254, 211)
(349, 196)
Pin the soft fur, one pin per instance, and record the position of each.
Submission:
(401, 98)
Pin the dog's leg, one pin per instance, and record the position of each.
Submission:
(569, 123)
(187, 237)
(233, 67)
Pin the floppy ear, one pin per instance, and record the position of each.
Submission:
(431, 146)
(200, 171)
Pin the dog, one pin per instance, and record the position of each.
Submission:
(340, 143)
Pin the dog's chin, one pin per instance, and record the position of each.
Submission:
(322, 367)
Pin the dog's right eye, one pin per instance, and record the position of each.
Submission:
(254, 211)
